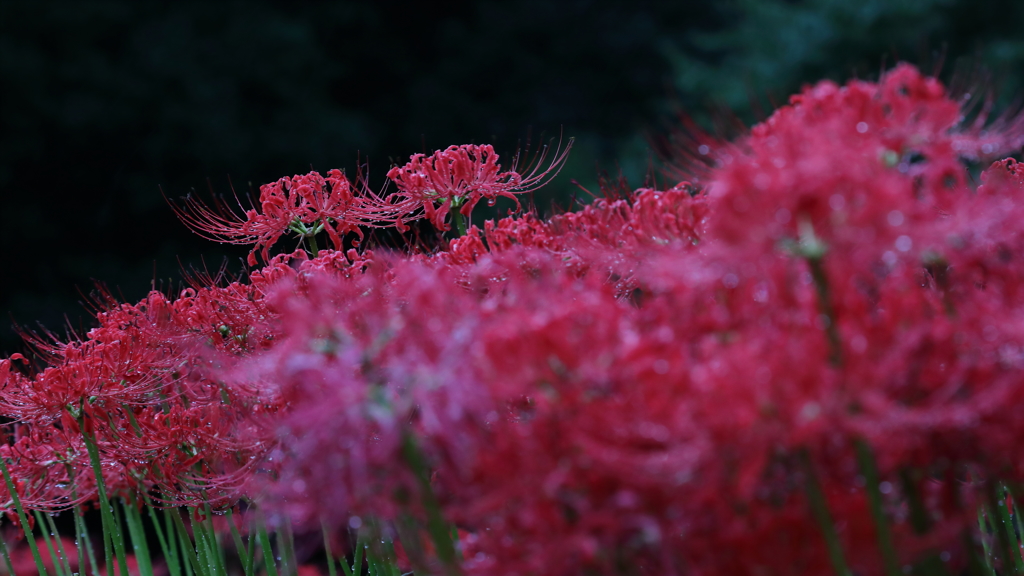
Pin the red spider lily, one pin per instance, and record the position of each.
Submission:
(858, 163)
(675, 382)
(636, 383)
(461, 176)
(305, 204)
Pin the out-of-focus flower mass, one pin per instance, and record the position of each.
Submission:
(807, 360)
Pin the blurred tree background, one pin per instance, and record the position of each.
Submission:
(105, 104)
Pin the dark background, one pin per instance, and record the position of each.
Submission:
(103, 104)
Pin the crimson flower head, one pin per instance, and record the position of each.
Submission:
(460, 176)
(306, 204)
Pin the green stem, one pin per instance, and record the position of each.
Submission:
(409, 534)
(240, 547)
(250, 560)
(25, 526)
(314, 250)
(327, 549)
(983, 529)
(866, 461)
(286, 542)
(204, 544)
(819, 508)
(268, 552)
(1000, 518)
(459, 220)
(918, 513)
(169, 549)
(85, 542)
(436, 526)
(357, 560)
(216, 548)
(112, 533)
(7, 556)
(133, 519)
(58, 567)
(187, 548)
(60, 543)
(976, 566)
(825, 306)
(356, 569)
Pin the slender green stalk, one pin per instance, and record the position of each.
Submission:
(286, 541)
(819, 508)
(111, 531)
(52, 526)
(460, 223)
(121, 547)
(866, 462)
(204, 551)
(377, 556)
(58, 544)
(436, 526)
(131, 418)
(983, 529)
(391, 561)
(327, 549)
(1009, 550)
(825, 306)
(85, 543)
(1010, 528)
(108, 546)
(358, 559)
(409, 534)
(918, 513)
(372, 569)
(7, 556)
(240, 547)
(268, 552)
(250, 560)
(455, 543)
(169, 550)
(137, 531)
(216, 548)
(975, 565)
(58, 566)
(356, 569)
(25, 526)
(314, 250)
(187, 549)
(178, 545)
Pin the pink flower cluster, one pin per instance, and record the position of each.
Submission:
(809, 363)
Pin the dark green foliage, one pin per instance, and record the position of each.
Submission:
(105, 103)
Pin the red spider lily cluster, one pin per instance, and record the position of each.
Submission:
(461, 176)
(811, 360)
(427, 186)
